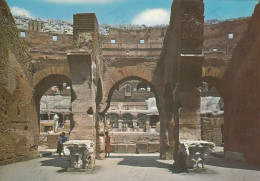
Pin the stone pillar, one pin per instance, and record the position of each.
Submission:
(100, 137)
(158, 127)
(167, 141)
(189, 118)
(83, 105)
(135, 124)
(147, 126)
(120, 126)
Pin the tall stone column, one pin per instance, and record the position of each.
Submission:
(82, 106)
(189, 115)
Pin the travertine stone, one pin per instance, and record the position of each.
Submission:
(121, 148)
(131, 148)
(81, 154)
(141, 148)
(191, 154)
(153, 147)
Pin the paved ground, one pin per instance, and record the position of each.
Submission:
(130, 167)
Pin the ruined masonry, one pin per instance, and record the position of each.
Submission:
(201, 77)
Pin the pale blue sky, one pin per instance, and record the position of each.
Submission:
(127, 11)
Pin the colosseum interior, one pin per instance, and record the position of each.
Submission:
(150, 88)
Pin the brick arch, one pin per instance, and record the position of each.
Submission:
(215, 72)
(46, 83)
(62, 69)
(116, 76)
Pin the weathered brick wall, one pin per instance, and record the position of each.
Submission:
(211, 130)
(242, 95)
(176, 74)
(41, 45)
(18, 121)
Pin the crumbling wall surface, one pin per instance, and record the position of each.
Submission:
(18, 121)
(242, 106)
(177, 72)
(216, 36)
(86, 72)
(42, 46)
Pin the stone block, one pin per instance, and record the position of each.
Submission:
(141, 148)
(131, 148)
(52, 141)
(113, 148)
(121, 148)
(153, 147)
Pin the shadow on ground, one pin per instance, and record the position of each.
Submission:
(221, 162)
(55, 161)
(143, 161)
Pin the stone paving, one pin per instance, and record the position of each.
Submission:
(127, 167)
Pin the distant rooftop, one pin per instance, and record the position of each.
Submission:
(66, 27)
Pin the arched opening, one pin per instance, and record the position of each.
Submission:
(154, 119)
(142, 86)
(127, 121)
(113, 118)
(129, 116)
(141, 120)
(53, 96)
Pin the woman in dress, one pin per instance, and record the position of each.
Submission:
(107, 141)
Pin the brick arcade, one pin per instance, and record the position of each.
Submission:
(187, 65)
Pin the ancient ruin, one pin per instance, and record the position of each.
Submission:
(81, 155)
(152, 88)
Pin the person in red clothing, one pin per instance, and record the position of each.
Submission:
(107, 141)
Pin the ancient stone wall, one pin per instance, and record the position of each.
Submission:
(18, 121)
(41, 45)
(177, 72)
(139, 143)
(242, 96)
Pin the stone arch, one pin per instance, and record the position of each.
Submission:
(62, 69)
(115, 77)
(141, 85)
(114, 117)
(141, 120)
(128, 119)
(216, 72)
(45, 84)
(217, 83)
(109, 92)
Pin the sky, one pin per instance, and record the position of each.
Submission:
(116, 12)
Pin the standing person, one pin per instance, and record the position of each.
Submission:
(56, 123)
(60, 145)
(62, 139)
(107, 141)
